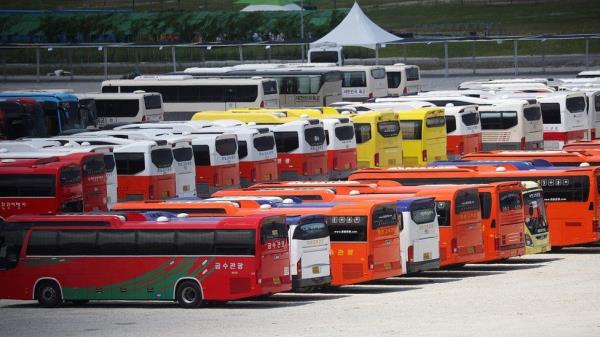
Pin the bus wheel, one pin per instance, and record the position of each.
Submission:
(48, 294)
(188, 295)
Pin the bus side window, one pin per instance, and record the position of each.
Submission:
(443, 213)
(485, 199)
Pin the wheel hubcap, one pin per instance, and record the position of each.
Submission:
(49, 294)
(189, 295)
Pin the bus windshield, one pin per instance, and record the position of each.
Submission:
(535, 214)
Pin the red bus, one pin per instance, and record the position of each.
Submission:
(40, 186)
(103, 257)
(503, 220)
(93, 171)
(571, 194)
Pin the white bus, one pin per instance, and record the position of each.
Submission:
(298, 86)
(593, 112)
(588, 74)
(184, 95)
(340, 138)
(513, 124)
(463, 129)
(419, 236)
(360, 83)
(183, 159)
(437, 100)
(403, 79)
(565, 118)
(498, 84)
(133, 107)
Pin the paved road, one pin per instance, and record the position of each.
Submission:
(545, 295)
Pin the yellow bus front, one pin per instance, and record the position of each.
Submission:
(537, 233)
(424, 136)
(255, 117)
(378, 139)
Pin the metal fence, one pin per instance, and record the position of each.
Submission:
(447, 57)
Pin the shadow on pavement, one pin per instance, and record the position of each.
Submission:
(413, 280)
(457, 273)
(366, 289)
(499, 267)
(579, 250)
(536, 260)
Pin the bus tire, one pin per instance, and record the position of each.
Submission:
(188, 295)
(48, 294)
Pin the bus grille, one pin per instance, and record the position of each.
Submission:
(239, 285)
(352, 270)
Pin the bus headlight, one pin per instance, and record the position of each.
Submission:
(528, 240)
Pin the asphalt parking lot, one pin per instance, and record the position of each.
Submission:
(540, 295)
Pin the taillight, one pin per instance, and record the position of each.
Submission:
(461, 148)
(305, 168)
(405, 91)
(371, 262)
(424, 155)
(454, 245)
(299, 268)
(253, 174)
(370, 95)
(262, 104)
(522, 143)
(411, 253)
(376, 159)
(151, 191)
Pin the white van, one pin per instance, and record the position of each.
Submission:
(403, 79)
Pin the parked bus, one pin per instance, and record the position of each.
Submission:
(40, 186)
(93, 170)
(512, 125)
(537, 235)
(423, 136)
(378, 139)
(556, 158)
(103, 257)
(184, 95)
(217, 162)
(133, 107)
(298, 86)
(571, 194)
(502, 220)
(565, 119)
(21, 118)
(403, 79)
(360, 83)
(463, 129)
(341, 147)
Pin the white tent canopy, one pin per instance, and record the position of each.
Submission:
(357, 30)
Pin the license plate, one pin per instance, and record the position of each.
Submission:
(513, 253)
(316, 269)
(276, 281)
(186, 188)
(347, 165)
(165, 194)
(387, 266)
(471, 250)
(426, 256)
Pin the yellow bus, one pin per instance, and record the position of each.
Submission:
(378, 139)
(312, 112)
(423, 136)
(537, 234)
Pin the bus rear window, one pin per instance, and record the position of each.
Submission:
(94, 166)
(384, 216)
(162, 157)
(286, 141)
(423, 215)
(226, 147)
(182, 154)
(498, 120)
(362, 132)
(344, 132)
(153, 102)
(394, 78)
(389, 128)
(411, 130)
(433, 122)
(378, 73)
(201, 155)
(272, 230)
(39, 185)
(109, 162)
(466, 201)
(575, 104)
(533, 113)
(117, 107)
(450, 124)
(324, 57)
(412, 74)
(443, 212)
(354, 79)
(314, 136)
(309, 231)
(130, 162)
(510, 201)
(264, 143)
(550, 113)
(270, 87)
(469, 119)
(347, 228)
(70, 175)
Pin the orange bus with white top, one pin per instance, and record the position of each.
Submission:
(556, 158)
(463, 129)
(571, 194)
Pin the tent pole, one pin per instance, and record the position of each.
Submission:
(377, 54)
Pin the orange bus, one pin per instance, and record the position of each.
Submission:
(503, 220)
(571, 194)
(556, 158)
(365, 241)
